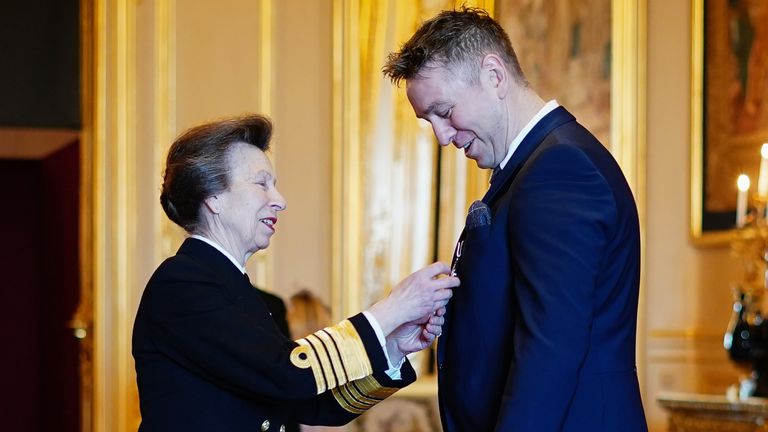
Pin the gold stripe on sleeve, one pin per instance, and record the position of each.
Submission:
(371, 388)
(355, 399)
(355, 393)
(303, 357)
(344, 404)
(360, 395)
(335, 354)
(325, 360)
(351, 350)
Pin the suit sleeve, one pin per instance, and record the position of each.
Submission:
(192, 322)
(558, 220)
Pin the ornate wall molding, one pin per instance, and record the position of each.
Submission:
(628, 124)
(109, 170)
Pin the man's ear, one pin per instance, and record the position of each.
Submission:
(213, 204)
(494, 73)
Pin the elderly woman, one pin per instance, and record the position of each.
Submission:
(208, 354)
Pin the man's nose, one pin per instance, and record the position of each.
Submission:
(444, 133)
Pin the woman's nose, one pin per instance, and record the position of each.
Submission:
(278, 202)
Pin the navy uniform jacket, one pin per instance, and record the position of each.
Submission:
(276, 308)
(209, 357)
(541, 334)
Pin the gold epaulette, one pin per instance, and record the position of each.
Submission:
(361, 395)
(336, 355)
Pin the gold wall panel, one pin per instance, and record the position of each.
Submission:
(131, 107)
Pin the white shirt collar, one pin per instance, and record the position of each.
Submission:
(220, 249)
(546, 109)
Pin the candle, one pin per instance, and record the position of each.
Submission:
(741, 201)
(762, 179)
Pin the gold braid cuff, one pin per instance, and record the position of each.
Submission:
(361, 395)
(336, 355)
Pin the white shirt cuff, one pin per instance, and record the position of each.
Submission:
(392, 371)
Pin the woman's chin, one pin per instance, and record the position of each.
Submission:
(261, 245)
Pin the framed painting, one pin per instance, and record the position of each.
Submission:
(729, 118)
(564, 49)
(589, 55)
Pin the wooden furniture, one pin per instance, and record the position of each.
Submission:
(690, 412)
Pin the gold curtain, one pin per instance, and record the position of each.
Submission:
(386, 162)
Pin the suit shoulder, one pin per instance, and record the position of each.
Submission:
(559, 158)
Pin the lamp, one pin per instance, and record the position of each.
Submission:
(746, 338)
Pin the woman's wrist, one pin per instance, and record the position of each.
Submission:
(385, 314)
(396, 356)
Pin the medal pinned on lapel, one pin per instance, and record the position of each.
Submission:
(456, 255)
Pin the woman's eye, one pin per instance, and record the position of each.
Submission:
(447, 114)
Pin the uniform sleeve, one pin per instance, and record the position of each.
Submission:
(344, 403)
(195, 324)
(557, 234)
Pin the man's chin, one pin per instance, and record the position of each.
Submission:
(482, 164)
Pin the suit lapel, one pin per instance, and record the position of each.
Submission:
(554, 119)
(501, 181)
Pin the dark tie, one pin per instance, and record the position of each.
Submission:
(494, 173)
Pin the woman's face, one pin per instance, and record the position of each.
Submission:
(248, 209)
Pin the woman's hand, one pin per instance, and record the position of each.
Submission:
(415, 298)
(414, 336)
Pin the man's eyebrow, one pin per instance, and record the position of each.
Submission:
(431, 108)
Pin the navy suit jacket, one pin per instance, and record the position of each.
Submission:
(540, 336)
(209, 357)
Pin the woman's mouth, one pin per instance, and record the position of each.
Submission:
(269, 222)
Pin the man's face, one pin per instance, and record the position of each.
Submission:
(471, 116)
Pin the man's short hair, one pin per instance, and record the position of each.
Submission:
(456, 39)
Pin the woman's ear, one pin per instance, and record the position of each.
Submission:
(494, 74)
(213, 204)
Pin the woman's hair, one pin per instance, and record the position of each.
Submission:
(198, 166)
(306, 314)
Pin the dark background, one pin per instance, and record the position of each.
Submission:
(39, 258)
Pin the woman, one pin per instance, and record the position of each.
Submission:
(208, 354)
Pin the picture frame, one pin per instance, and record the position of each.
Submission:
(565, 50)
(728, 121)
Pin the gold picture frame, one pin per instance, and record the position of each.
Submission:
(728, 122)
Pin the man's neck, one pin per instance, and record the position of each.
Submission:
(520, 110)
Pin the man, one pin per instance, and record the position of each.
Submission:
(549, 262)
